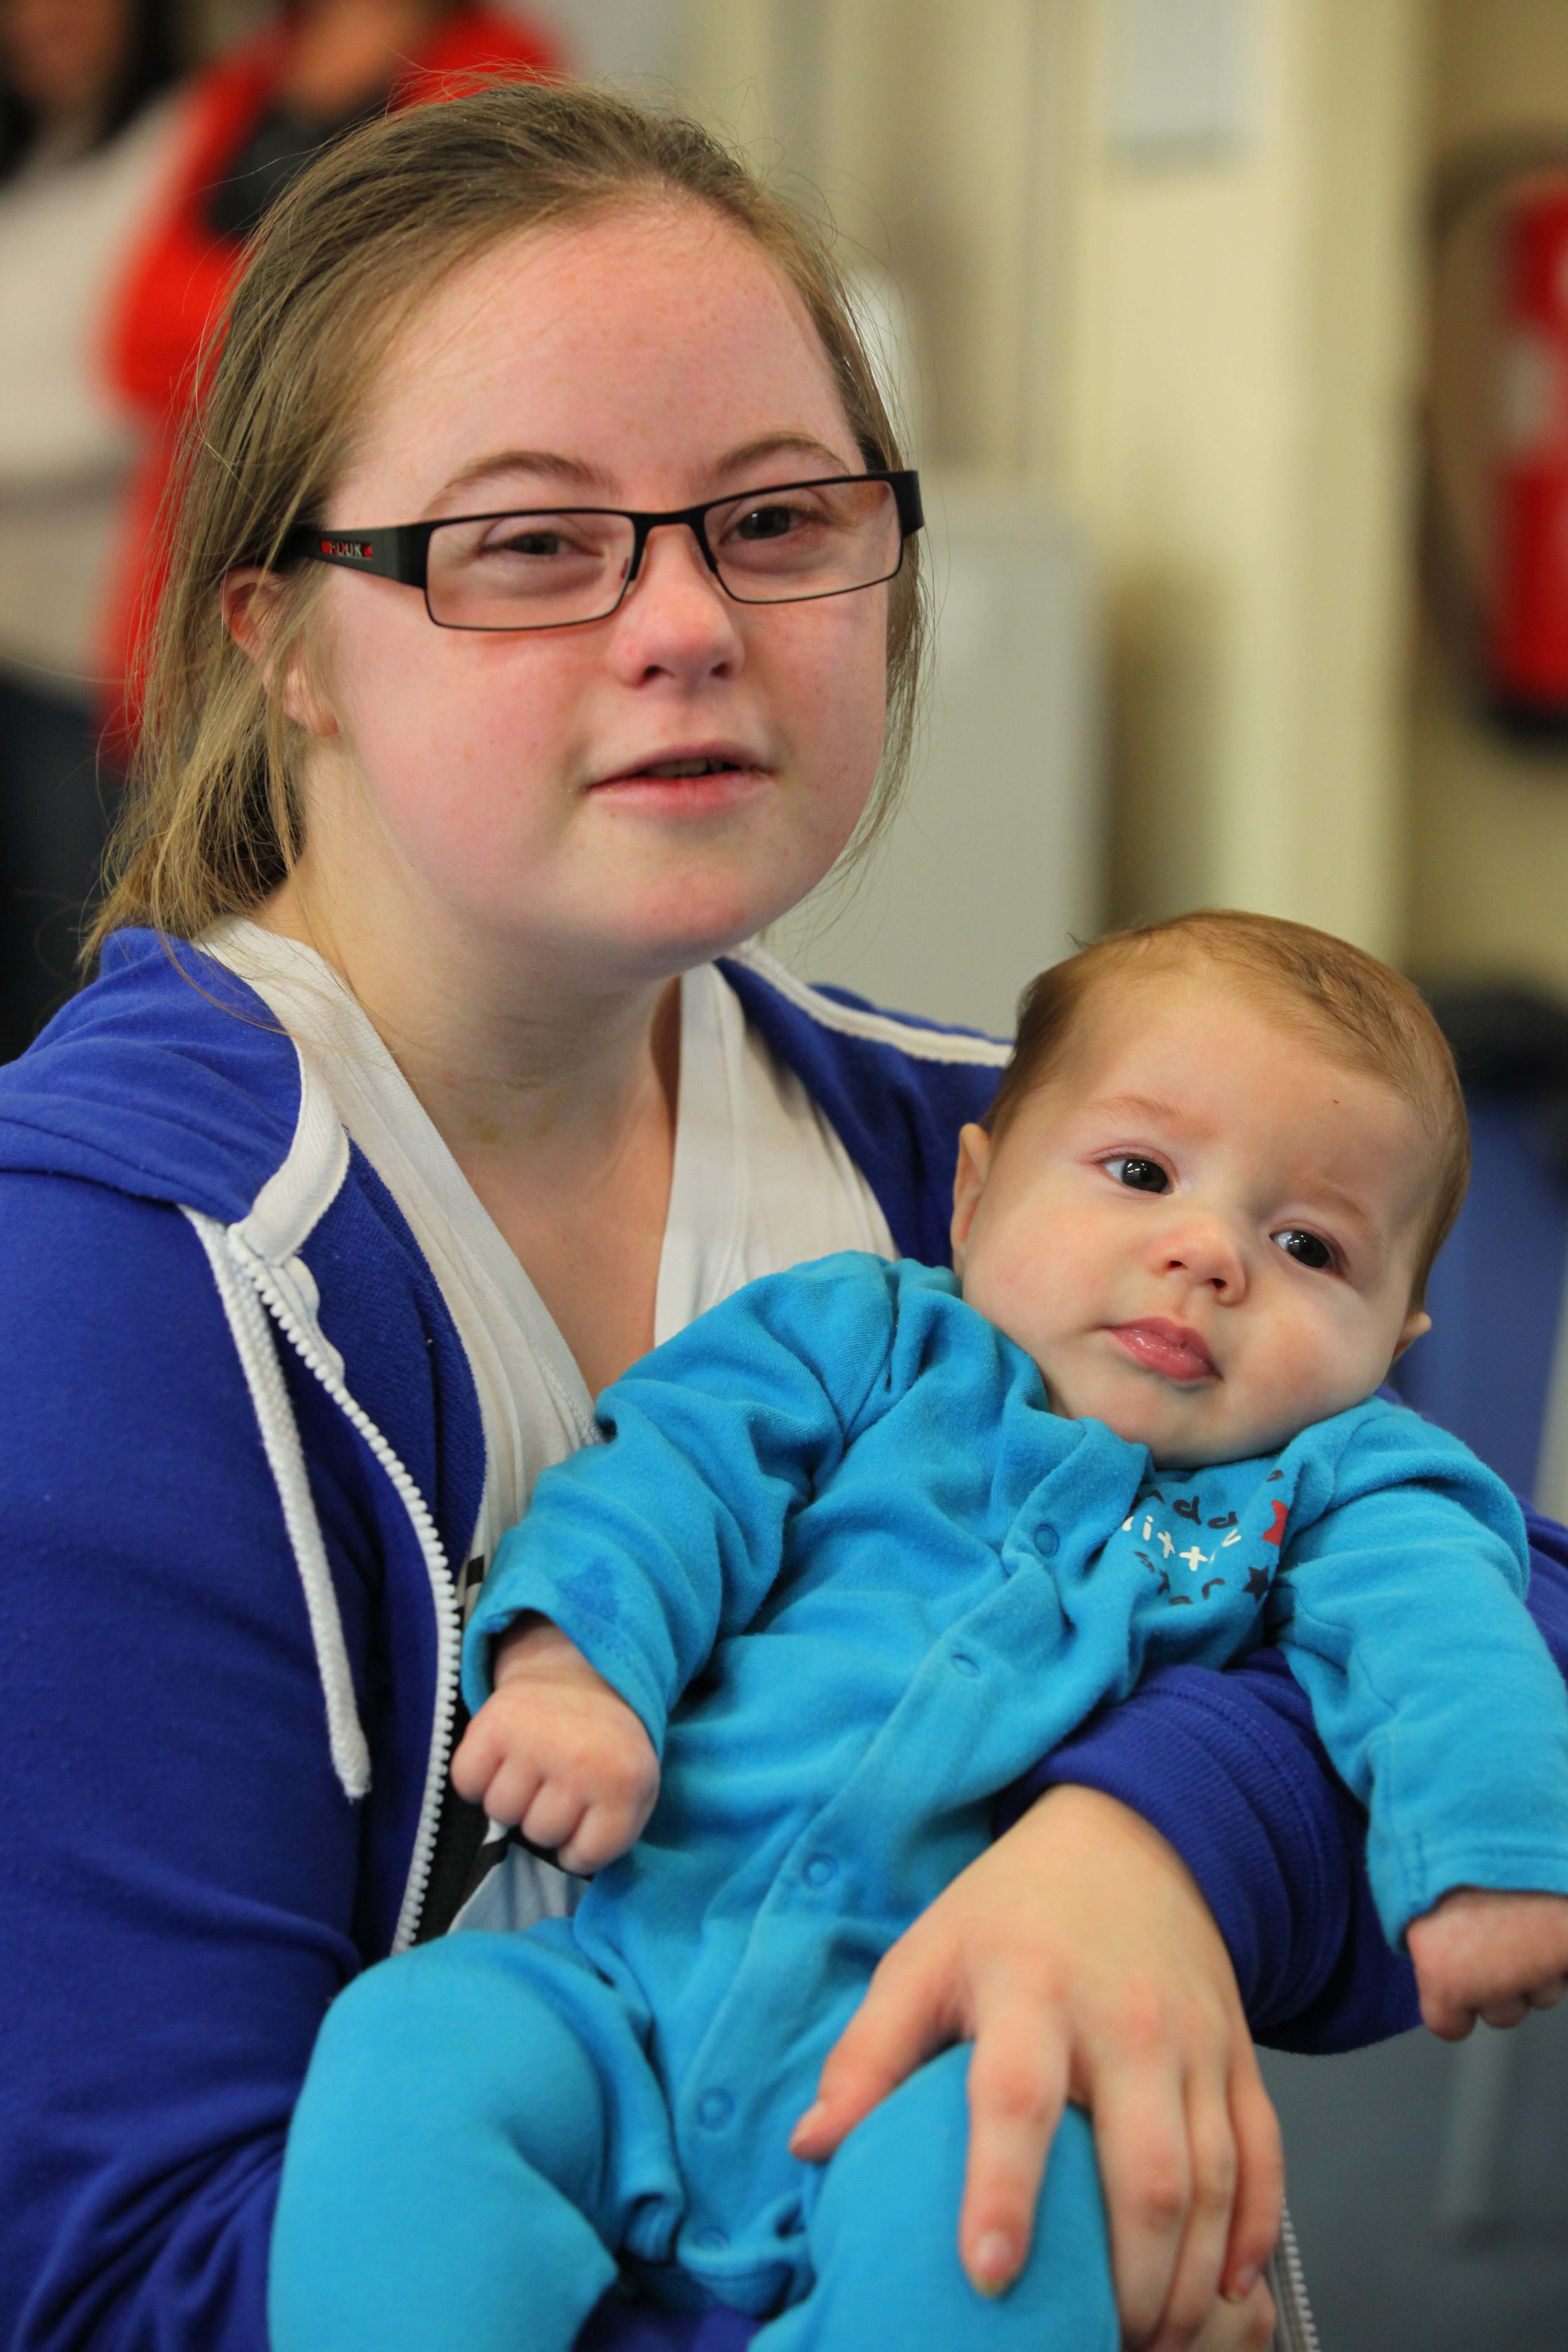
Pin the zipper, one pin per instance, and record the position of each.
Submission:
(1295, 2329)
(443, 1586)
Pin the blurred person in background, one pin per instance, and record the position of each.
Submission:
(86, 123)
(258, 117)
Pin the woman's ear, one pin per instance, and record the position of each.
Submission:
(968, 1183)
(251, 600)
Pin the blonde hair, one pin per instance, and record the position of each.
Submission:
(213, 820)
(1341, 999)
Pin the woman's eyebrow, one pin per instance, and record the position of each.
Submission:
(804, 446)
(552, 463)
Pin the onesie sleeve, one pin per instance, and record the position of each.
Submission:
(1227, 1766)
(647, 1549)
(178, 1865)
(1399, 1609)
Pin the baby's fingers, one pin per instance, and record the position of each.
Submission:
(552, 1818)
(489, 1768)
(509, 1792)
(602, 1832)
(476, 1758)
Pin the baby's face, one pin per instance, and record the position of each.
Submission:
(1203, 1228)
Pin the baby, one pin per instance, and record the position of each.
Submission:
(864, 1543)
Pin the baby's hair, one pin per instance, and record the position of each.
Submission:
(1344, 1001)
(214, 822)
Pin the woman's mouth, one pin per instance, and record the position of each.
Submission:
(1172, 1350)
(691, 784)
(705, 767)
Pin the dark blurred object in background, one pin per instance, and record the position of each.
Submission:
(76, 73)
(1487, 1368)
(259, 118)
(1511, 1042)
(86, 132)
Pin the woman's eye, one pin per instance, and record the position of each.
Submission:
(758, 523)
(1139, 1175)
(1306, 1249)
(543, 544)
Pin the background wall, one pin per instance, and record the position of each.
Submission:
(1204, 359)
(1200, 352)
(1202, 356)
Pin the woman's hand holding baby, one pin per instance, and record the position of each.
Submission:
(1080, 1959)
(1482, 1953)
(557, 1752)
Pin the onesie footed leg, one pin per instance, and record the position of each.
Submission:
(884, 2240)
(450, 2180)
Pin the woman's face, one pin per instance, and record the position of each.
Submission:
(507, 783)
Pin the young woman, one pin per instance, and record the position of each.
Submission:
(545, 600)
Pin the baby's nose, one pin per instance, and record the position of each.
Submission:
(1207, 1252)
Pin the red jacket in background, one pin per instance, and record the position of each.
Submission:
(180, 276)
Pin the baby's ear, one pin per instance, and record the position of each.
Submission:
(1417, 1323)
(968, 1183)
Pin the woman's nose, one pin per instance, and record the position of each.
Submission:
(675, 619)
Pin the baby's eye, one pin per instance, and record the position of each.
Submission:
(1139, 1175)
(1306, 1249)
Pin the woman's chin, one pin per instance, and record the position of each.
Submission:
(703, 916)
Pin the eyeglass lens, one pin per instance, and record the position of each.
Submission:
(771, 547)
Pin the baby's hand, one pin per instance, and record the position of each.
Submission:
(1479, 1953)
(557, 1751)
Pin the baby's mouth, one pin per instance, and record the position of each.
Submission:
(1172, 1350)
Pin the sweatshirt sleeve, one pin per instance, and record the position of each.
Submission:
(1399, 1610)
(178, 1864)
(647, 1549)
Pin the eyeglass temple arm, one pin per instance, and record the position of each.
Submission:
(399, 552)
(906, 494)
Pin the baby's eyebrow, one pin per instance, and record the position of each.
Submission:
(1135, 1107)
(1334, 1197)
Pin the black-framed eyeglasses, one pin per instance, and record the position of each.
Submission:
(557, 567)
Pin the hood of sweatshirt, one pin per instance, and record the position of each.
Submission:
(134, 1085)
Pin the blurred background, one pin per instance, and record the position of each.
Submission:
(1232, 336)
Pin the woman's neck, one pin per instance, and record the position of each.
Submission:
(557, 1103)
